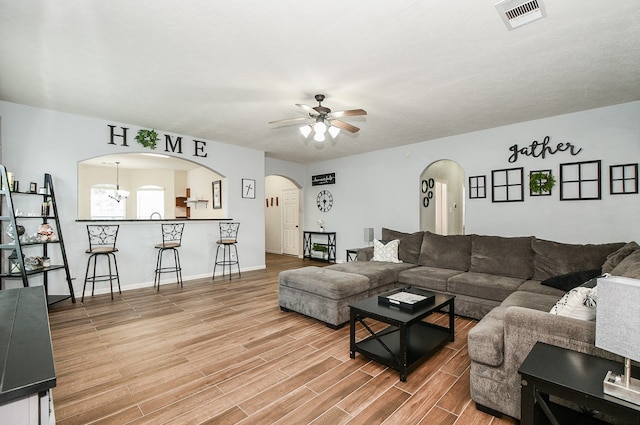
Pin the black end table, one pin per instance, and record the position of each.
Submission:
(408, 341)
(572, 376)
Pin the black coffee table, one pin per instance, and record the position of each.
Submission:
(408, 341)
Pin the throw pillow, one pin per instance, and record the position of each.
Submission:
(629, 267)
(616, 257)
(579, 303)
(410, 243)
(386, 252)
(569, 281)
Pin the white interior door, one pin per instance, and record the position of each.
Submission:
(291, 222)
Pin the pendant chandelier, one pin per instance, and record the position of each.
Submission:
(118, 195)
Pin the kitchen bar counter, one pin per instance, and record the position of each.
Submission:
(26, 354)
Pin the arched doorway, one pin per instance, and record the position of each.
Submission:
(442, 198)
(282, 216)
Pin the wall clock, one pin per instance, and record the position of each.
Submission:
(324, 200)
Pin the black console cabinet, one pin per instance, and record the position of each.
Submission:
(323, 240)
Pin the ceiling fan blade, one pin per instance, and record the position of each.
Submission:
(289, 120)
(349, 113)
(308, 109)
(345, 126)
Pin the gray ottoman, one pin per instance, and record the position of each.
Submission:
(321, 293)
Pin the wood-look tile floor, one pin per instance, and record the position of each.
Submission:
(222, 352)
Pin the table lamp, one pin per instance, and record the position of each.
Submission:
(618, 331)
(368, 235)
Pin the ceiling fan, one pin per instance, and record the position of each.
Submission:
(325, 120)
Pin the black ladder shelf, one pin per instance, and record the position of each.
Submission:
(15, 268)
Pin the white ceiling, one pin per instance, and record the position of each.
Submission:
(221, 70)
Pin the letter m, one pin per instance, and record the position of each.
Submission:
(170, 146)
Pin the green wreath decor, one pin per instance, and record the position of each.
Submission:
(147, 138)
(541, 182)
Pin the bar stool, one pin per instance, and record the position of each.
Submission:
(228, 239)
(171, 240)
(102, 242)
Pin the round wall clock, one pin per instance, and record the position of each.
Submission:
(324, 200)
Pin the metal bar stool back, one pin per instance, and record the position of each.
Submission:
(102, 243)
(228, 239)
(171, 241)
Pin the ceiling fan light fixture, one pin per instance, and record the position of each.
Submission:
(319, 137)
(305, 130)
(320, 127)
(334, 131)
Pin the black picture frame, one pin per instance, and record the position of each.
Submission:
(623, 179)
(581, 181)
(477, 187)
(531, 192)
(249, 188)
(33, 187)
(507, 185)
(216, 191)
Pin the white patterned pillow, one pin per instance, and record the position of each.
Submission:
(579, 303)
(386, 252)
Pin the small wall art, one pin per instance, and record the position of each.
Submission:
(217, 194)
(580, 181)
(623, 179)
(507, 185)
(541, 182)
(477, 187)
(248, 188)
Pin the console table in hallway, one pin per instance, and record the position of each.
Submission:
(327, 240)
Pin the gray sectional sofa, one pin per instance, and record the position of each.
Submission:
(497, 280)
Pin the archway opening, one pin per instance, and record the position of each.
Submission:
(442, 198)
(282, 216)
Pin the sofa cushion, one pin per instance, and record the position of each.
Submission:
(446, 252)
(378, 273)
(512, 257)
(535, 301)
(617, 256)
(410, 243)
(433, 278)
(569, 281)
(327, 283)
(556, 258)
(629, 267)
(483, 285)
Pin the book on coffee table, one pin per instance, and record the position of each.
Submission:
(408, 298)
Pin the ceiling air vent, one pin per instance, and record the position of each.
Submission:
(516, 13)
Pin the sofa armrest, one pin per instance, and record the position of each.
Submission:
(365, 254)
(523, 327)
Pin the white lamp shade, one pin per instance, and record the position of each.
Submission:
(305, 130)
(368, 234)
(319, 137)
(334, 131)
(618, 316)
